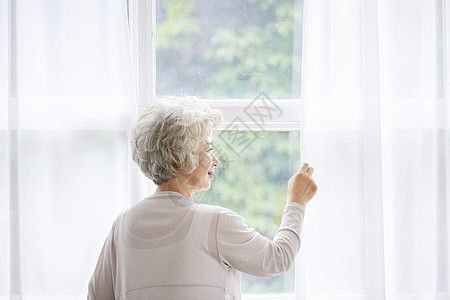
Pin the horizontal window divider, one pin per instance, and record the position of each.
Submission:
(253, 126)
(234, 101)
(268, 114)
(243, 101)
(268, 297)
(336, 297)
(256, 114)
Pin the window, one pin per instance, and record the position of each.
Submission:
(243, 57)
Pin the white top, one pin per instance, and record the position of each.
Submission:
(168, 247)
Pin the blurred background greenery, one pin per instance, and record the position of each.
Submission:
(228, 49)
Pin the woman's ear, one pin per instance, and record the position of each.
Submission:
(177, 162)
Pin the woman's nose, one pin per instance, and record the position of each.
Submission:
(215, 161)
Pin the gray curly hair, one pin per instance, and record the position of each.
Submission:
(166, 136)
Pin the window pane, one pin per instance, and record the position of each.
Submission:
(253, 182)
(228, 49)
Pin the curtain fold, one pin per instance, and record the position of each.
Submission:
(66, 106)
(375, 81)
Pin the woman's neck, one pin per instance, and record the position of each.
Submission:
(175, 185)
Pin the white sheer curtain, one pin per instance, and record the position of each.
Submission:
(375, 86)
(66, 103)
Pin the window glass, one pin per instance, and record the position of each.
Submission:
(228, 49)
(252, 181)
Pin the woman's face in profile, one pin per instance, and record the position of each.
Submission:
(200, 178)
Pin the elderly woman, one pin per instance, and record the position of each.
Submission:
(168, 247)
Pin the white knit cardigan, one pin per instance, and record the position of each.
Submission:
(168, 247)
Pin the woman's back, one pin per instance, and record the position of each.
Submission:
(165, 248)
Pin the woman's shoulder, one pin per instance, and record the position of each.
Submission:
(208, 208)
(216, 208)
(226, 217)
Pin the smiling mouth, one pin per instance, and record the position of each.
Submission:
(211, 173)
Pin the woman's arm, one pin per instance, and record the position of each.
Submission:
(248, 251)
(101, 284)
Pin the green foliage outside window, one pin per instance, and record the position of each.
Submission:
(228, 49)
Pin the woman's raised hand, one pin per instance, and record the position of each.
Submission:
(301, 186)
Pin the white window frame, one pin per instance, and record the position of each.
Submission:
(142, 23)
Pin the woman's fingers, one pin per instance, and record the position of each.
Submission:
(303, 168)
(301, 186)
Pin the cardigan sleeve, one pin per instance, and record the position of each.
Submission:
(248, 251)
(101, 284)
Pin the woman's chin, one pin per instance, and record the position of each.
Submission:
(202, 188)
(207, 186)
